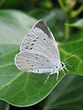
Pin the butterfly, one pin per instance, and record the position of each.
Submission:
(39, 52)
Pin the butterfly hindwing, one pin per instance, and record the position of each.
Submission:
(34, 62)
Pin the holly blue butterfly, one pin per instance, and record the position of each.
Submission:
(39, 52)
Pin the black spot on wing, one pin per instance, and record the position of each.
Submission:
(32, 44)
(37, 70)
(26, 47)
(37, 37)
(36, 57)
(42, 65)
(30, 49)
(47, 60)
(34, 40)
(44, 39)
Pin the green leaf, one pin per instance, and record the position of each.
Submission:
(13, 26)
(18, 87)
(77, 24)
(25, 89)
(66, 96)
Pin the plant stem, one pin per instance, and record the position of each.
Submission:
(67, 31)
(64, 8)
(75, 13)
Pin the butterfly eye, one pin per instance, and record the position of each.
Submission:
(32, 65)
(62, 64)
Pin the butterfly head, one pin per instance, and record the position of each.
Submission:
(62, 65)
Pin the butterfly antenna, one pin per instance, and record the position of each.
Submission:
(69, 57)
(73, 54)
(63, 71)
(69, 65)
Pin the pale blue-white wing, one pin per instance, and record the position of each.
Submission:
(41, 40)
(34, 62)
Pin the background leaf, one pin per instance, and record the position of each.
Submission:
(66, 96)
(77, 24)
(4, 106)
(13, 26)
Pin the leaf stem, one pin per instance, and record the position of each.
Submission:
(75, 13)
(67, 31)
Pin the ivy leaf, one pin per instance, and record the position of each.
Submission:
(77, 24)
(66, 96)
(21, 88)
(13, 26)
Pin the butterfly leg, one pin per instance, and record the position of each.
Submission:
(63, 70)
(48, 77)
(66, 69)
(57, 73)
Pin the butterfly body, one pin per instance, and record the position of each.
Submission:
(39, 51)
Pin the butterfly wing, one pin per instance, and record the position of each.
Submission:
(34, 62)
(40, 41)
